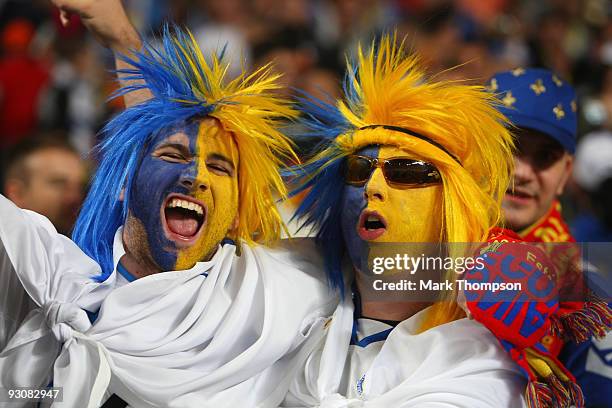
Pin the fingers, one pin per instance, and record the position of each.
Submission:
(462, 302)
(64, 18)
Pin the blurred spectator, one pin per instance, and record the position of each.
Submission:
(593, 174)
(22, 80)
(73, 102)
(53, 79)
(339, 25)
(225, 28)
(321, 83)
(548, 46)
(46, 176)
(605, 96)
(34, 11)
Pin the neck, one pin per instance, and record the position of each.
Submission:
(138, 263)
(138, 268)
(373, 308)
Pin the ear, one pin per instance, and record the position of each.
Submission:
(569, 165)
(232, 231)
(14, 191)
(234, 227)
(122, 194)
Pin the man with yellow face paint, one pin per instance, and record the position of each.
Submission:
(411, 161)
(166, 297)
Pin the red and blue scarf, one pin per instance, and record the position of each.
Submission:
(553, 306)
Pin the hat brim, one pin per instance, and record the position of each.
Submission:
(557, 133)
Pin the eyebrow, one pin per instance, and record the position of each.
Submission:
(178, 146)
(220, 157)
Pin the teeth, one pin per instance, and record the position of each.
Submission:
(372, 218)
(177, 202)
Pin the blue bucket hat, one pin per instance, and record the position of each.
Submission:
(538, 99)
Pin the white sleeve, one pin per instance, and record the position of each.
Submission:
(33, 259)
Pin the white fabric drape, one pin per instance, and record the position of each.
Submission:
(228, 332)
(458, 364)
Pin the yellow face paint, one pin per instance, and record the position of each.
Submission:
(216, 187)
(412, 214)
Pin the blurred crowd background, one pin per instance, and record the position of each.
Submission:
(55, 82)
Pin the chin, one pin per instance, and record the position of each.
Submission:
(518, 223)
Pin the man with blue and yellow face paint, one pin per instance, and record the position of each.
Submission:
(185, 196)
(420, 163)
(166, 297)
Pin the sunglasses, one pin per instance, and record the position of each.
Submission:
(397, 171)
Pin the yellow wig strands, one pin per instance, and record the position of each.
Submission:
(249, 108)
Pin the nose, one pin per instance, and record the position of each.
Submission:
(523, 170)
(376, 187)
(194, 182)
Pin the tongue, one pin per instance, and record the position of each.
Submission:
(181, 223)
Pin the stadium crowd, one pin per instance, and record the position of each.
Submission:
(55, 81)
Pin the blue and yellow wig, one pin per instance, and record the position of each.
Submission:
(468, 143)
(184, 85)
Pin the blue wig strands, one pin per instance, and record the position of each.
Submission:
(323, 178)
(168, 75)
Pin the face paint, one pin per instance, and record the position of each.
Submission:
(219, 165)
(378, 212)
(185, 194)
(409, 214)
(353, 203)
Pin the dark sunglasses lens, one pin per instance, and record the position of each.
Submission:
(358, 170)
(410, 172)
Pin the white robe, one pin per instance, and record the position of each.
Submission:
(229, 332)
(458, 364)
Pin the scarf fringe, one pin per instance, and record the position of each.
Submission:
(593, 320)
(538, 395)
(553, 394)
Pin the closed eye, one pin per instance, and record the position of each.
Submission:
(220, 169)
(173, 157)
(173, 153)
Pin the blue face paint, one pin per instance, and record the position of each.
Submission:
(353, 203)
(155, 180)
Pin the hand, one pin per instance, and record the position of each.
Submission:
(108, 22)
(462, 303)
(106, 19)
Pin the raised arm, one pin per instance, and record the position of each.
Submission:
(109, 23)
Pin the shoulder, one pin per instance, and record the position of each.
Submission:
(296, 258)
(459, 362)
(296, 267)
(460, 342)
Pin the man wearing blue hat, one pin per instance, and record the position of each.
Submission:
(542, 107)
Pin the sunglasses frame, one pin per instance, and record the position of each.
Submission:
(376, 163)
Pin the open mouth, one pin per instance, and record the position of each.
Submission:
(371, 225)
(183, 218)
